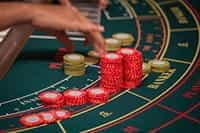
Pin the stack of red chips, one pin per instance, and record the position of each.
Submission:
(58, 57)
(97, 95)
(75, 97)
(111, 72)
(52, 99)
(132, 67)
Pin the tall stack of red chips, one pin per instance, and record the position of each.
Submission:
(132, 67)
(111, 72)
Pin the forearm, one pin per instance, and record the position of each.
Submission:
(14, 13)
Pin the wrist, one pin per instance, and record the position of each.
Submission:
(25, 13)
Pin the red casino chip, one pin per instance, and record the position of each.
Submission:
(97, 95)
(131, 84)
(132, 67)
(51, 97)
(54, 65)
(48, 117)
(112, 90)
(61, 114)
(111, 72)
(62, 50)
(58, 57)
(111, 58)
(75, 97)
(31, 120)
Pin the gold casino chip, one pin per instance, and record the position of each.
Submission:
(91, 60)
(112, 44)
(74, 64)
(159, 65)
(74, 73)
(73, 58)
(146, 68)
(93, 53)
(126, 39)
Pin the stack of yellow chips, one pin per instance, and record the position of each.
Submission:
(146, 68)
(159, 65)
(112, 44)
(94, 54)
(126, 39)
(74, 64)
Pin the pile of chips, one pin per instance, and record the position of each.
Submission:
(112, 44)
(156, 65)
(94, 54)
(52, 99)
(70, 97)
(111, 72)
(31, 120)
(159, 65)
(126, 39)
(97, 95)
(74, 64)
(47, 117)
(91, 60)
(75, 97)
(146, 68)
(132, 67)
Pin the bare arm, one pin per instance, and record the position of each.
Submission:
(55, 17)
(13, 13)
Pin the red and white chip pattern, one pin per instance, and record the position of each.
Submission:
(132, 67)
(52, 99)
(62, 114)
(48, 117)
(97, 95)
(111, 72)
(75, 97)
(31, 120)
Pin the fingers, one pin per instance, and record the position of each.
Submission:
(85, 25)
(97, 41)
(63, 38)
(89, 27)
(103, 4)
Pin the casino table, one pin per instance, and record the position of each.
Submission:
(165, 102)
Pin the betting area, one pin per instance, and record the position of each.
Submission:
(165, 102)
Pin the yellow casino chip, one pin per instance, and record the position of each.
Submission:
(112, 44)
(146, 68)
(126, 39)
(159, 65)
(93, 53)
(91, 60)
(73, 58)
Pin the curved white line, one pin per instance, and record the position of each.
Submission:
(35, 93)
